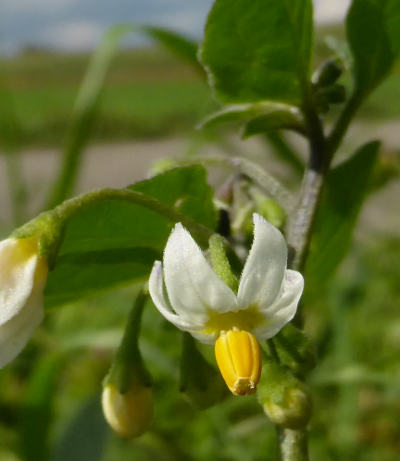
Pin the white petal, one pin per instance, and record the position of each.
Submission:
(263, 272)
(17, 270)
(15, 333)
(193, 287)
(159, 297)
(284, 308)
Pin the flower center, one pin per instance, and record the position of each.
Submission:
(246, 319)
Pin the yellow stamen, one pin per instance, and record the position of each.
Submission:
(239, 360)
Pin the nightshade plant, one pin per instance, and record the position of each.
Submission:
(258, 59)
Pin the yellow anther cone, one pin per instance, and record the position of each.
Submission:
(239, 360)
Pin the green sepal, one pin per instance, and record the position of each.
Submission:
(221, 263)
(128, 368)
(284, 397)
(48, 228)
(295, 350)
(200, 382)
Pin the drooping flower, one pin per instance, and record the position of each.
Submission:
(189, 294)
(23, 275)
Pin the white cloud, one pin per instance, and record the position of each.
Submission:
(80, 35)
(330, 10)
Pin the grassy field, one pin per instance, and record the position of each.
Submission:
(148, 93)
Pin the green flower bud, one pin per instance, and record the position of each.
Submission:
(268, 208)
(129, 413)
(328, 73)
(127, 397)
(284, 398)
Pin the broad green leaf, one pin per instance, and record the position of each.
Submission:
(373, 31)
(342, 199)
(260, 117)
(111, 242)
(258, 50)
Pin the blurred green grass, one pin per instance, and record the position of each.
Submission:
(148, 93)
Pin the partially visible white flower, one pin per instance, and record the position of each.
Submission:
(189, 294)
(23, 275)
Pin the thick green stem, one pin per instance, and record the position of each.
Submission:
(300, 228)
(293, 445)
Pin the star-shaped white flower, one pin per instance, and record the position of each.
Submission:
(189, 294)
(23, 275)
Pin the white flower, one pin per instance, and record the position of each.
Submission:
(23, 275)
(189, 294)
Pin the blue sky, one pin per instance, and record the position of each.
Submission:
(79, 24)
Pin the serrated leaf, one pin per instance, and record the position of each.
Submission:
(341, 203)
(258, 50)
(112, 243)
(373, 31)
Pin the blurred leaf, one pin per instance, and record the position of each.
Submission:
(260, 117)
(341, 203)
(36, 414)
(178, 44)
(373, 30)
(86, 435)
(111, 243)
(258, 50)
(86, 108)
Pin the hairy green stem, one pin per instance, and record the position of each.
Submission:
(293, 445)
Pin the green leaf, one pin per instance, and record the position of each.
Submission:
(112, 243)
(178, 44)
(258, 50)
(341, 203)
(373, 31)
(260, 117)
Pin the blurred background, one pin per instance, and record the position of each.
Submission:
(149, 108)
